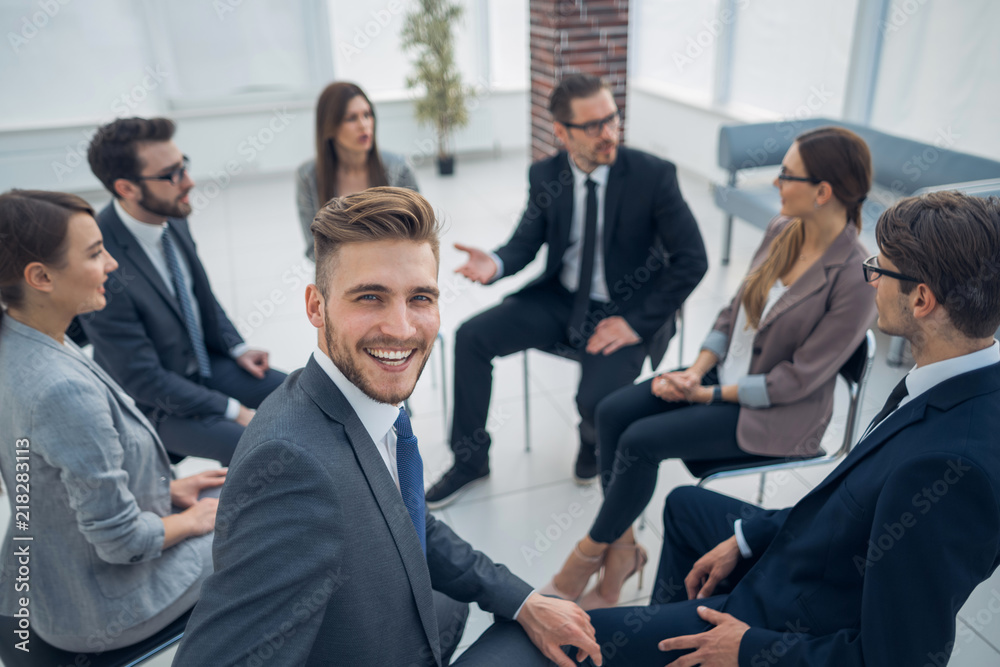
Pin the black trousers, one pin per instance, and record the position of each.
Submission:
(637, 430)
(694, 521)
(215, 437)
(537, 317)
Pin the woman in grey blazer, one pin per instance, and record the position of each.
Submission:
(347, 158)
(109, 562)
(763, 383)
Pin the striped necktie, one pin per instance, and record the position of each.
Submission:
(187, 307)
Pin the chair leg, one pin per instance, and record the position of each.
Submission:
(527, 407)
(727, 239)
(897, 347)
(679, 318)
(760, 489)
(444, 389)
(642, 522)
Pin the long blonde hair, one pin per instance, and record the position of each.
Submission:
(842, 159)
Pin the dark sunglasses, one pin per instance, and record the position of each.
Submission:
(174, 176)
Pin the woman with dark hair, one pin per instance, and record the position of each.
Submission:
(87, 477)
(347, 157)
(762, 385)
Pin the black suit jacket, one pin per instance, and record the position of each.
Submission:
(653, 251)
(140, 337)
(871, 567)
(316, 558)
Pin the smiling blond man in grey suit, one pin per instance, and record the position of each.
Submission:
(324, 553)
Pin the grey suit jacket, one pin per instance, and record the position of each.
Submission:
(316, 559)
(397, 172)
(799, 347)
(99, 483)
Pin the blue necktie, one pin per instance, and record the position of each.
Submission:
(410, 467)
(187, 308)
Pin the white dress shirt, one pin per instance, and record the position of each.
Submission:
(150, 238)
(570, 274)
(377, 418)
(919, 380)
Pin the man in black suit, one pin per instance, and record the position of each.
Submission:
(624, 252)
(872, 566)
(163, 335)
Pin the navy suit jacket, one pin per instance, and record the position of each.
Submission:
(316, 558)
(645, 221)
(140, 337)
(871, 567)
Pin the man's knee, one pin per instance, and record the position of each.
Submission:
(678, 503)
(474, 334)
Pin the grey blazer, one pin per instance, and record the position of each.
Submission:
(99, 483)
(397, 172)
(799, 347)
(316, 559)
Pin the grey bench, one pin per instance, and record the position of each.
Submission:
(901, 168)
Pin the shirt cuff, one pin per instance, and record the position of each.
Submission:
(238, 350)
(752, 390)
(232, 409)
(717, 343)
(522, 605)
(499, 274)
(745, 550)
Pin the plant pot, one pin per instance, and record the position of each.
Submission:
(446, 165)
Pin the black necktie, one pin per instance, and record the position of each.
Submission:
(582, 300)
(891, 403)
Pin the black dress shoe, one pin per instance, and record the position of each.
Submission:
(451, 486)
(585, 469)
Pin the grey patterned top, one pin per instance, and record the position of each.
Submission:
(397, 172)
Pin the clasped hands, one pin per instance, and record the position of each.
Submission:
(720, 646)
(681, 386)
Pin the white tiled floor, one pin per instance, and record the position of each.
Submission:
(250, 241)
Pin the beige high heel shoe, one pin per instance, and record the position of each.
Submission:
(599, 597)
(584, 567)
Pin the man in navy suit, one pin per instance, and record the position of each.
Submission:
(624, 252)
(163, 336)
(872, 566)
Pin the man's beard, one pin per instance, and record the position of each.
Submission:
(167, 209)
(345, 362)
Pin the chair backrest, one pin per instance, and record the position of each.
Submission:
(856, 371)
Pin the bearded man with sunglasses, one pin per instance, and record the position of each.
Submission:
(624, 252)
(163, 335)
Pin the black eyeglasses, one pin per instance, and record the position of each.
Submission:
(799, 179)
(174, 176)
(873, 271)
(595, 128)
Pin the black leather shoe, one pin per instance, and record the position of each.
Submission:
(585, 469)
(451, 486)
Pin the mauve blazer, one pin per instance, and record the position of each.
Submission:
(787, 398)
(99, 484)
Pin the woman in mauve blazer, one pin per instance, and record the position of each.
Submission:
(763, 383)
(112, 558)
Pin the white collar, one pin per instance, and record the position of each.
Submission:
(147, 233)
(377, 418)
(923, 378)
(599, 175)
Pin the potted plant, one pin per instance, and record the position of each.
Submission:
(428, 31)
